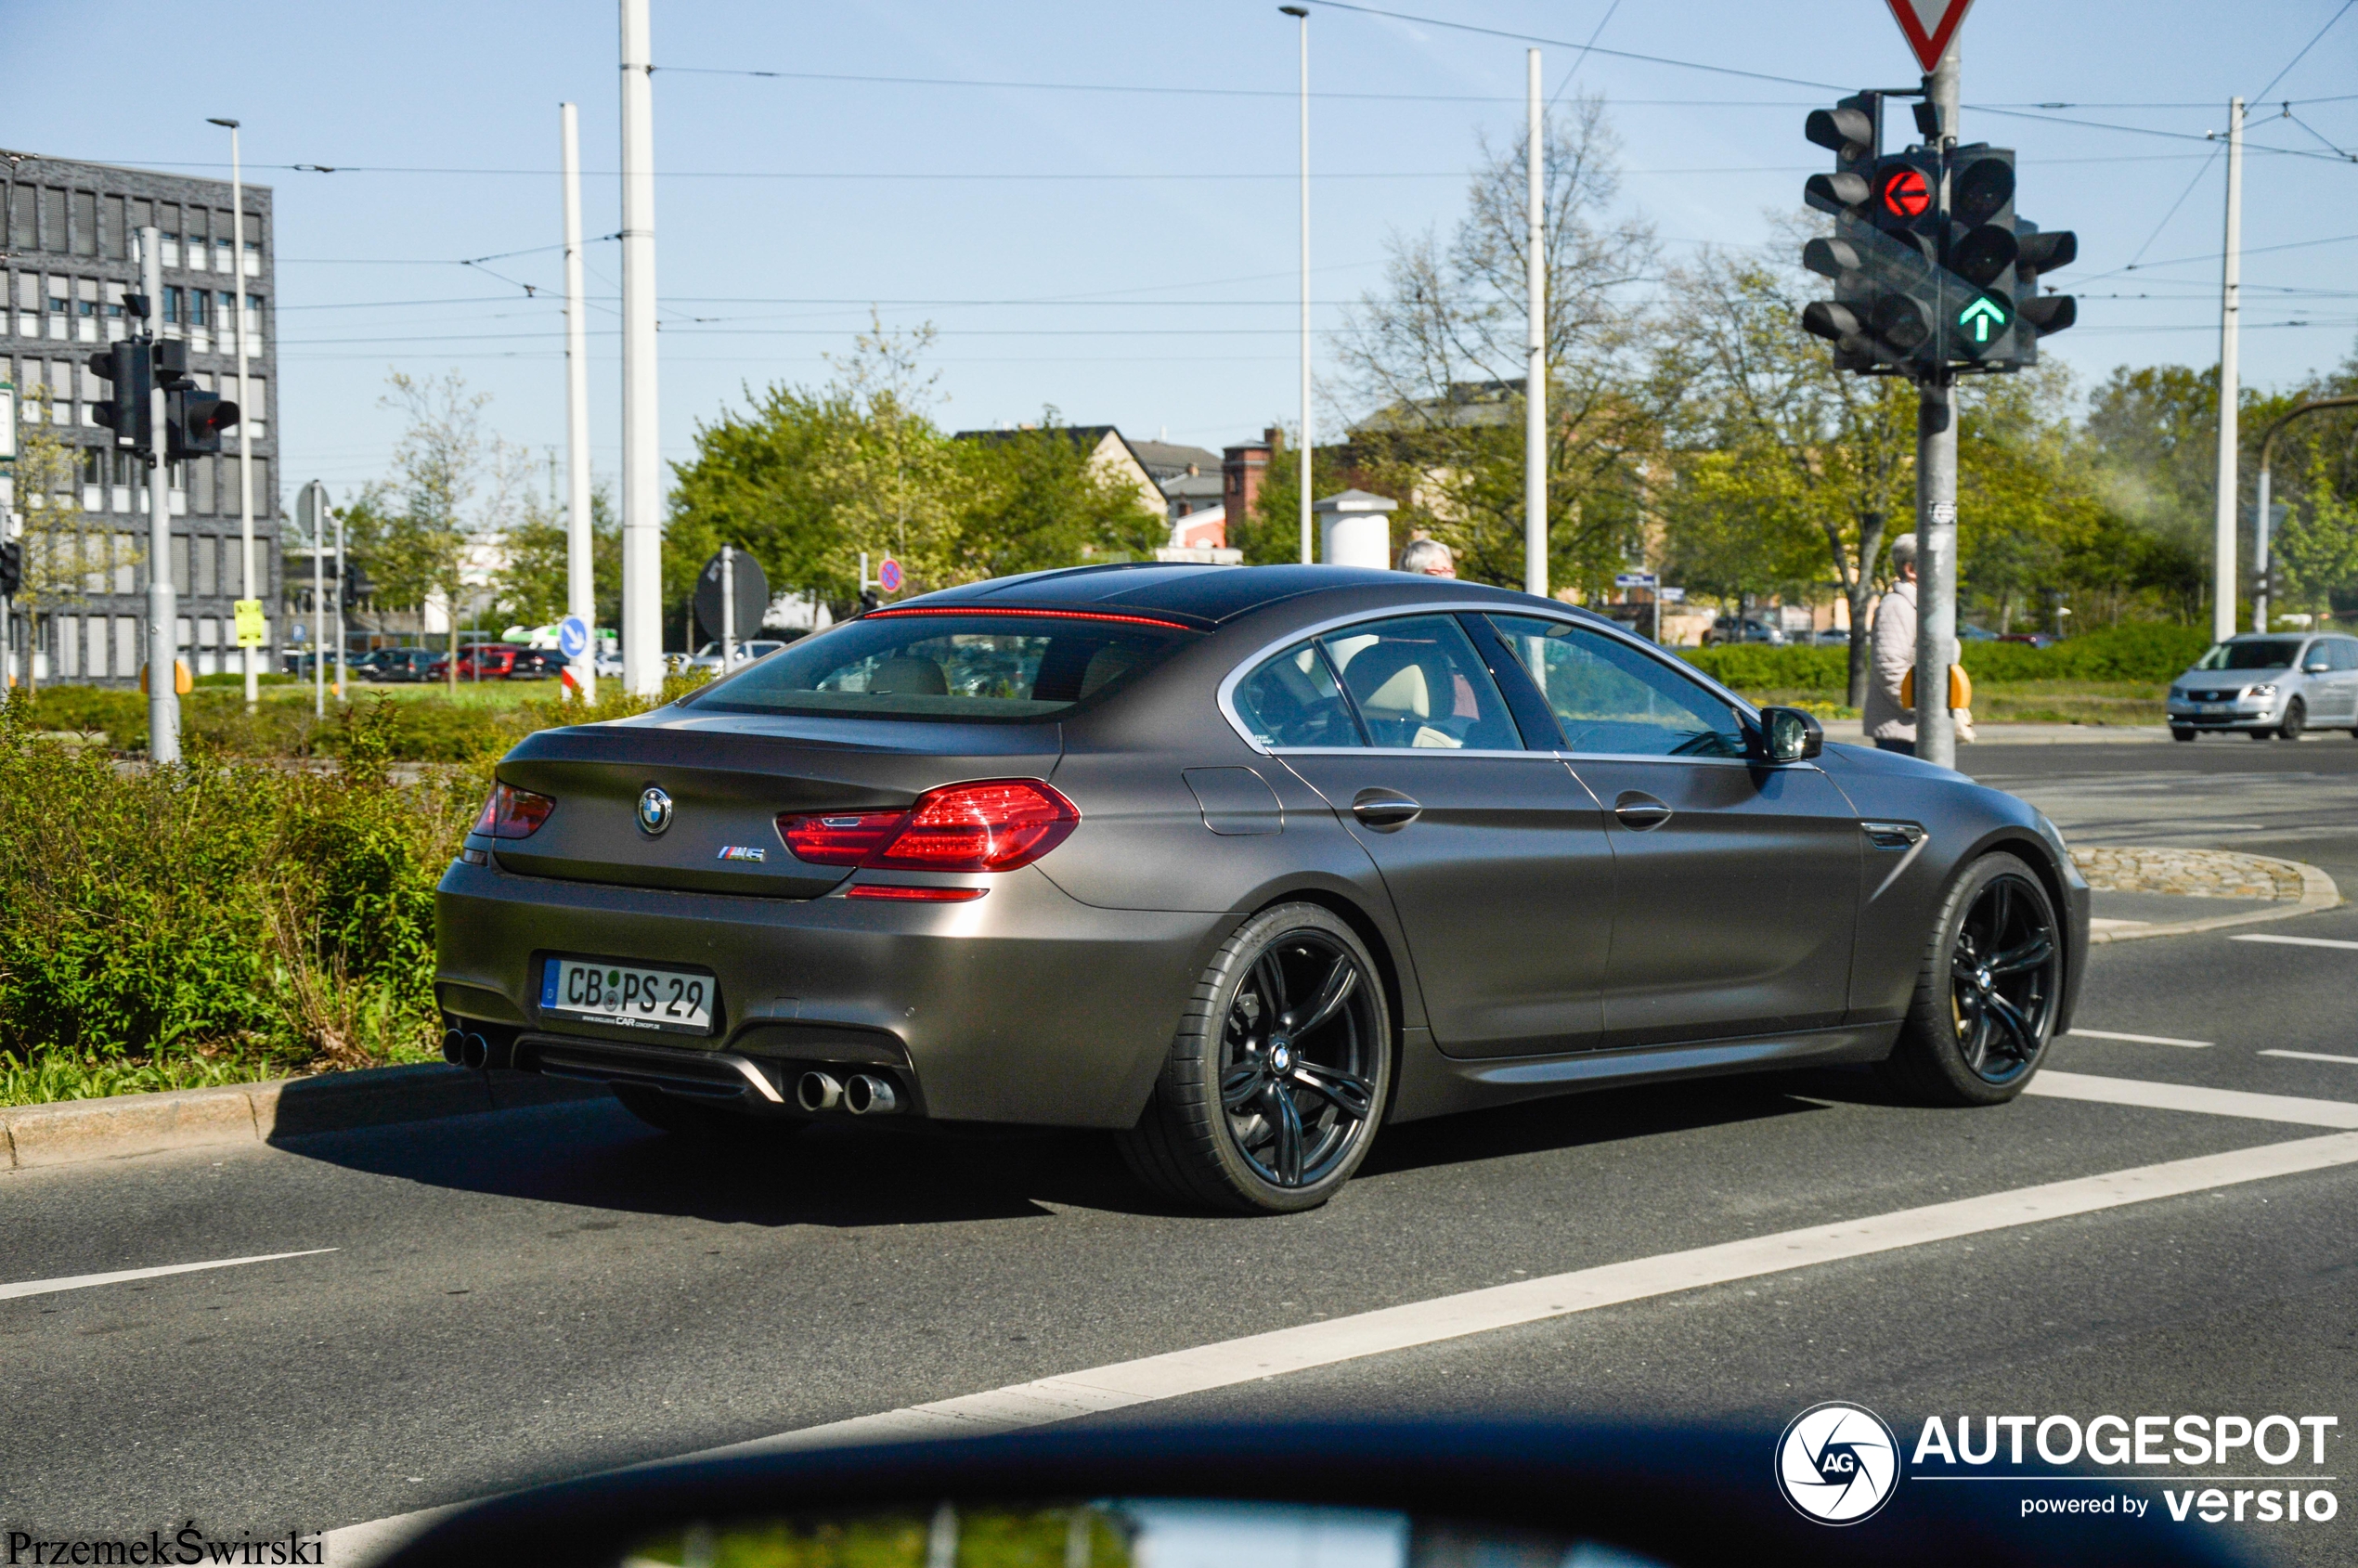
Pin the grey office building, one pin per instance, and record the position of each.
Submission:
(72, 242)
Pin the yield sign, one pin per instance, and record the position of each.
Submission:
(1929, 25)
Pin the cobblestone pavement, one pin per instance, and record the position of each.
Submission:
(2213, 874)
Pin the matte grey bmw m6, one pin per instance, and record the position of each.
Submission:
(1240, 863)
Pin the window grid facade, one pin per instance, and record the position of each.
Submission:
(71, 241)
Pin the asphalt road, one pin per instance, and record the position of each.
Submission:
(551, 1292)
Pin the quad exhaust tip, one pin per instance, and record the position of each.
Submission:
(860, 1095)
(464, 1048)
(869, 1097)
(816, 1092)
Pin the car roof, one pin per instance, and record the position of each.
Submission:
(1202, 595)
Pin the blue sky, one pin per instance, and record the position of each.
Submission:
(1125, 255)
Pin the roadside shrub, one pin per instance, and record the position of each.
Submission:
(215, 921)
(2147, 651)
(265, 908)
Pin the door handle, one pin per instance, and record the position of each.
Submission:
(1384, 809)
(1640, 812)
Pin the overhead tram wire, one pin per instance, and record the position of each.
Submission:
(2304, 50)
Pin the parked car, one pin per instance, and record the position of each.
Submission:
(478, 661)
(1978, 634)
(393, 664)
(2265, 684)
(2031, 638)
(1743, 628)
(708, 656)
(1239, 865)
(1831, 637)
(537, 664)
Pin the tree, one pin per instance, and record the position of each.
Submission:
(1773, 444)
(1439, 354)
(451, 492)
(2317, 549)
(534, 583)
(59, 558)
(808, 480)
(1031, 499)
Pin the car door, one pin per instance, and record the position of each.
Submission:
(1495, 857)
(1737, 881)
(2342, 656)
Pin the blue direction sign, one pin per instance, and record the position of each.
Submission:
(573, 638)
(1635, 579)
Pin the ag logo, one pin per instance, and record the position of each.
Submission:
(1837, 1463)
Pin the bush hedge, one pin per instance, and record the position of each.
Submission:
(2150, 651)
(236, 916)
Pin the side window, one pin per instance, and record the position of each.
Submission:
(1292, 701)
(2344, 652)
(1417, 682)
(1616, 701)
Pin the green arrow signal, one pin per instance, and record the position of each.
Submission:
(1982, 316)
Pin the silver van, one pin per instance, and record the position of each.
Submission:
(2267, 684)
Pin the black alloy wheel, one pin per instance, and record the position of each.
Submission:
(1987, 992)
(2295, 720)
(1279, 1073)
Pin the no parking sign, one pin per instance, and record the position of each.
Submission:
(888, 575)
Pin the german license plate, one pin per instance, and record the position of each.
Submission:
(628, 995)
(2215, 708)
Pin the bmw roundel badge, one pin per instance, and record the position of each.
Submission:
(654, 811)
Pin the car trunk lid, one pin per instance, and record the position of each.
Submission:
(728, 778)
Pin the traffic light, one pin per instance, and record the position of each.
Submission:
(1852, 130)
(194, 421)
(357, 589)
(1979, 251)
(11, 567)
(2038, 252)
(129, 371)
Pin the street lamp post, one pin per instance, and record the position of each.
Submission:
(248, 590)
(1302, 15)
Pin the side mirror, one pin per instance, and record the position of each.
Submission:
(2316, 666)
(1791, 734)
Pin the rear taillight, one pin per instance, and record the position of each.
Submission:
(513, 813)
(997, 825)
(846, 838)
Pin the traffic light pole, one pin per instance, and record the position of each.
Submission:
(1937, 500)
(163, 609)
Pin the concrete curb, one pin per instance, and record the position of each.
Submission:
(119, 1126)
(2318, 892)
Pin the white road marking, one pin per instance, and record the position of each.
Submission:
(83, 1281)
(2113, 923)
(2312, 1056)
(1206, 1367)
(2136, 1039)
(2300, 941)
(2191, 1096)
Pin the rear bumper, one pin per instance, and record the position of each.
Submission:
(1022, 1006)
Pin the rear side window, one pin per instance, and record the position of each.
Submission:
(1418, 684)
(988, 665)
(1292, 700)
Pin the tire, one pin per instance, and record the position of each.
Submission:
(1956, 1048)
(686, 1119)
(2189, 734)
(1215, 1133)
(2295, 720)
